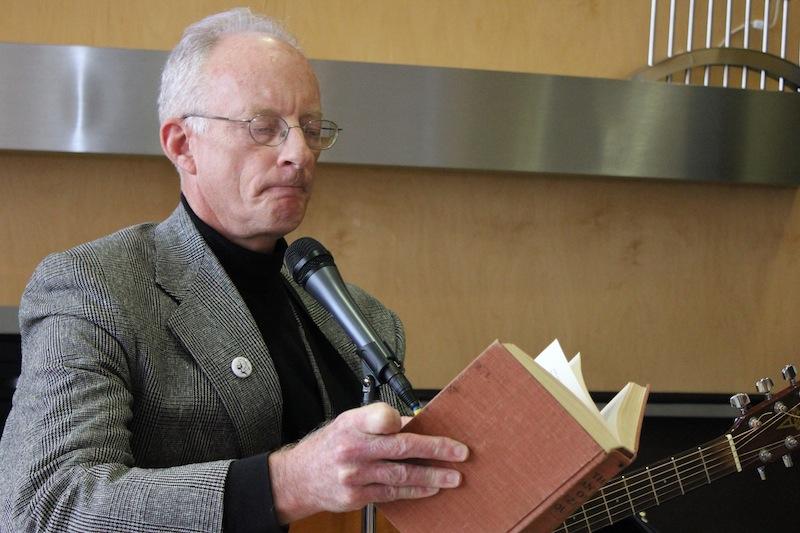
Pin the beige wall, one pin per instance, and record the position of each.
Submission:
(688, 286)
(577, 37)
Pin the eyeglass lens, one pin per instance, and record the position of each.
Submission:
(272, 130)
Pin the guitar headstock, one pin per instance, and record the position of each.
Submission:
(770, 430)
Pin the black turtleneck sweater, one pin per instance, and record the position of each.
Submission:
(284, 325)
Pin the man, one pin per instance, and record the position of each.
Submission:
(164, 366)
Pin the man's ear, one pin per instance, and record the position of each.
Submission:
(175, 143)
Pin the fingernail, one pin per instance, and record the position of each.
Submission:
(453, 479)
(461, 452)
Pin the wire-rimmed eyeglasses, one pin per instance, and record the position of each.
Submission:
(272, 130)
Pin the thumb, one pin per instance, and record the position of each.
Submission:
(377, 419)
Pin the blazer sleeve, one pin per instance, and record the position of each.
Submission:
(66, 462)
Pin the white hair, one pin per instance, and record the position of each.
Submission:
(182, 80)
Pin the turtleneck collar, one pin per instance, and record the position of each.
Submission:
(245, 267)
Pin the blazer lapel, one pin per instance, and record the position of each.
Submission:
(341, 342)
(215, 326)
(328, 326)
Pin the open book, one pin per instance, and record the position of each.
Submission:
(539, 447)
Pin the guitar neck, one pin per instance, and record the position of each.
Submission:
(641, 489)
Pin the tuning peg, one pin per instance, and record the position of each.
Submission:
(740, 401)
(790, 374)
(762, 472)
(787, 461)
(764, 386)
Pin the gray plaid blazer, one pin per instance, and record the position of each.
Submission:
(127, 413)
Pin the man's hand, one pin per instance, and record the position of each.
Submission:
(355, 460)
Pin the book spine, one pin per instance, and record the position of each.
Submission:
(577, 491)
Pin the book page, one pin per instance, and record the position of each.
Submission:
(555, 362)
(624, 414)
(582, 410)
(575, 365)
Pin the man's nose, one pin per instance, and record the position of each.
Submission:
(295, 150)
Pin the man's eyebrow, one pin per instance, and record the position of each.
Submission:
(263, 111)
(312, 115)
(306, 115)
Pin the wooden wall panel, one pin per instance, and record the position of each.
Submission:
(51, 202)
(605, 38)
(599, 38)
(688, 286)
(691, 287)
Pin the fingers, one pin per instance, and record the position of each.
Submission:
(413, 446)
(383, 422)
(358, 458)
(357, 497)
(388, 493)
(401, 475)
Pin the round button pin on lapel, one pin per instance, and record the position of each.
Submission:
(241, 367)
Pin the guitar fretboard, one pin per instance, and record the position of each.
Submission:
(641, 489)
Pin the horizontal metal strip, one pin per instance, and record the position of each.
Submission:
(9, 323)
(99, 100)
(660, 404)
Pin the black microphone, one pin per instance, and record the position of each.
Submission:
(312, 268)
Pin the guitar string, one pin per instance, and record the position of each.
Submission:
(601, 519)
(579, 521)
(590, 513)
(628, 484)
(711, 465)
(600, 513)
(690, 463)
(691, 473)
(707, 457)
(596, 509)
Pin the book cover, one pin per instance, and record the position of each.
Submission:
(531, 462)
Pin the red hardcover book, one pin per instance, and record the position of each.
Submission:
(538, 446)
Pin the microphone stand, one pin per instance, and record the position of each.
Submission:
(368, 391)
(369, 388)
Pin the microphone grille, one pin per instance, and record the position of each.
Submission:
(304, 257)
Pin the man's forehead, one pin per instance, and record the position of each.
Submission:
(255, 47)
(248, 55)
(259, 73)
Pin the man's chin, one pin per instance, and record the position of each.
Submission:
(286, 205)
(279, 194)
(286, 223)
